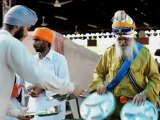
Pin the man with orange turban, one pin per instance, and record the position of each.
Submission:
(54, 62)
(16, 24)
(127, 64)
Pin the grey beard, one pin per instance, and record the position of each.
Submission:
(126, 51)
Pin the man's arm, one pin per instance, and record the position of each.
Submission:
(152, 89)
(13, 112)
(99, 75)
(22, 62)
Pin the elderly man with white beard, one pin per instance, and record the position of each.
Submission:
(131, 69)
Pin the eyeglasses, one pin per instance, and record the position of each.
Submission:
(122, 30)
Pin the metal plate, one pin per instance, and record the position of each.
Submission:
(44, 113)
(41, 113)
(147, 111)
(97, 107)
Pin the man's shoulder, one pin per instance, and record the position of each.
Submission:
(145, 48)
(145, 51)
(110, 48)
(57, 55)
(14, 43)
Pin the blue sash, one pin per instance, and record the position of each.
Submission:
(122, 71)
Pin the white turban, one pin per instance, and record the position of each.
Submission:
(20, 16)
(123, 24)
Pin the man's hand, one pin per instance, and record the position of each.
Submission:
(18, 113)
(25, 117)
(139, 98)
(77, 92)
(101, 89)
(34, 91)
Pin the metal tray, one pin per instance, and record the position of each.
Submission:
(44, 113)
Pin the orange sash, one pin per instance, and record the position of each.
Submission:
(15, 90)
(124, 99)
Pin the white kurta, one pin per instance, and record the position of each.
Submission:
(15, 58)
(57, 64)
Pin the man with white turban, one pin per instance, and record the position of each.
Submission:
(15, 58)
(129, 65)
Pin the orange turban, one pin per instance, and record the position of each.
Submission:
(43, 33)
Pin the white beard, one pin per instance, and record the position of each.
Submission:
(126, 52)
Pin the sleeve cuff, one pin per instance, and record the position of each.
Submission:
(71, 87)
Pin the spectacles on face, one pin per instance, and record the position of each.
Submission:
(122, 30)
